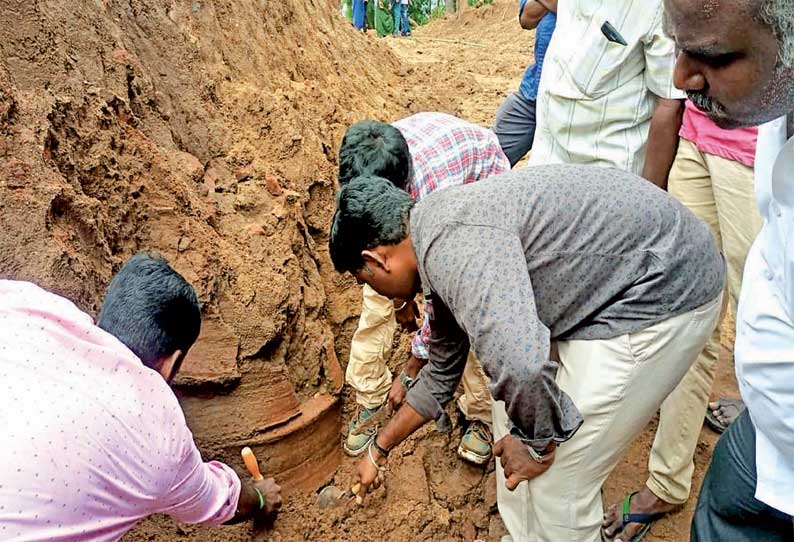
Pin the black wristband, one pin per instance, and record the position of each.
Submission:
(381, 451)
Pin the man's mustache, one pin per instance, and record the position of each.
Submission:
(705, 103)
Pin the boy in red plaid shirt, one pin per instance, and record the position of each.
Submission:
(419, 154)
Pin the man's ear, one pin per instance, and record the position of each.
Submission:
(170, 366)
(376, 258)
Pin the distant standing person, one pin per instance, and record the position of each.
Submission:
(400, 16)
(379, 17)
(360, 15)
(515, 119)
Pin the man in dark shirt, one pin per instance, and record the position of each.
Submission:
(623, 277)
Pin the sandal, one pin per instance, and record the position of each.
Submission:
(714, 423)
(646, 519)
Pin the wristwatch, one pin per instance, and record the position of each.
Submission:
(406, 380)
(539, 457)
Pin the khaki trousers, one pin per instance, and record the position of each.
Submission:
(618, 385)
(721, 193)
(371, 348)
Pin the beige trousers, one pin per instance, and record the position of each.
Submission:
(721, 193)
(618, 385)
(371, 348)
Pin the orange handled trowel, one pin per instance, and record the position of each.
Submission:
(261, 527)
(251, 464)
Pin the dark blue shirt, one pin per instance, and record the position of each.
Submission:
(543, 32)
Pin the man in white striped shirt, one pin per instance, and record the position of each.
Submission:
(607, 94)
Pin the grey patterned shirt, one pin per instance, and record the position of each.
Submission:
(549, 252)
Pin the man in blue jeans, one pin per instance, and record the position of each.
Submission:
(400, 15)
(515, 119)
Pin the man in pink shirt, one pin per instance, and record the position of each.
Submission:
(94, 439)
(713, 176)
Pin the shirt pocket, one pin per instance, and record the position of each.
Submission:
(596, 66)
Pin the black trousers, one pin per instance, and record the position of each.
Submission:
(727, 510)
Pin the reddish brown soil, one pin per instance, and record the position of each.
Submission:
(208, 130)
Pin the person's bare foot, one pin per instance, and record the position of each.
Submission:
(644, 502)
(723, 413)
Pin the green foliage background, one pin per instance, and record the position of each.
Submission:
(419, 11)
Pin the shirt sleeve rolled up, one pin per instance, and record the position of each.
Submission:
(421, 339)
(660, 58)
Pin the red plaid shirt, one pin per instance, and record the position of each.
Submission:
(447, 151)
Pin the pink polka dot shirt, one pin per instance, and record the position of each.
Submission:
(93, 441)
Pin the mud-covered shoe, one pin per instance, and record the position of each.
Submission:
(358, 437)
(476, 444)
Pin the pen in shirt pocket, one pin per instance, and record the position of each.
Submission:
(612, 34)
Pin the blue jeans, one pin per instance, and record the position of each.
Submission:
(400, 15)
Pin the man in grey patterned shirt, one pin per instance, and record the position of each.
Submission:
(625, 279)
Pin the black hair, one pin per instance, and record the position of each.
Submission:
(374, 149)
(370, 211)
(151, 309)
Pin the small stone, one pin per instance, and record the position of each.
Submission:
(184, 244)
(279, 212)
(256, 229)
(273, 186)
(189, 164)
(243, 174)
(222, 179)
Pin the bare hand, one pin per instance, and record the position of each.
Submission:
(397, 394)
(398, 391)
(271, 491)
(368, 475)
(517, 463)
(408, 315)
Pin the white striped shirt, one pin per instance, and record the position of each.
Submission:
(596, 96)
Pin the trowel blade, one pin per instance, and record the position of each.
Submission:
(331, 496)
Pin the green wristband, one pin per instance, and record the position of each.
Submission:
(261, 498)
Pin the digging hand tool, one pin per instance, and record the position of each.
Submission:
(332, 496)
(251, 464)
(261, 526)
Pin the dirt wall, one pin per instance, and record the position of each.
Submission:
(208, 130)
(205, 130)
